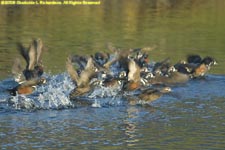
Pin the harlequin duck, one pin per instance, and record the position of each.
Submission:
(196, 66)
(174, 77)
(27, 87)
(204, 67)
(161, 68)
(114, 81)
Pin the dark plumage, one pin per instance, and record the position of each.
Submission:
(32, 56)
(101, 58)
(162, 67)
(196, 59)
(196, 66)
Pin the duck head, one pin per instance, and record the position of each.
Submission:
(209, 61)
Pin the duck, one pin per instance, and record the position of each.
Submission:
(101, 58)
(81, 61)
(27, 87)
(141, 56)
(79, 91)
(152, 94)
(161, 68)
(185, 67)
(134, 77)
(209, 61)
(114, 81)
(173, 77)
(195, 66)
(83, 79)
(32, 56)
(122, 57)
(143, 61)
(204, 67)
(148, 95)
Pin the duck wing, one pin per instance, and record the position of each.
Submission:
(71, 71)
(39, 48)
(134, 71)
(81, 61)
(17, 70)
(87, 73)
(32, 55)
(23, 52)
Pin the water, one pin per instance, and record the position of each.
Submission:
(191, 117)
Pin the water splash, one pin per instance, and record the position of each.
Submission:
(55, 94)
(104, 92)
(96, 103)
(52, 95)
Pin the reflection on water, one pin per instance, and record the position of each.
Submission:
(188, 124)
(191, 117)
(130, 126)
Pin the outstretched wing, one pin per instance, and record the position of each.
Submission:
(32, 55)
(17, 70)
(134, 71)
(39, 48)
(17, 67)
(24, 53)
(73, 74)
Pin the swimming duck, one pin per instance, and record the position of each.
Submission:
(204, 67)
(32, 56)
(161, 68)
(143, 60)
(27, 87)
(114, 81)
(153, 94)
(148, 95)
(184, 67)
(196, 66)
(173, 77)
(140, 57)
